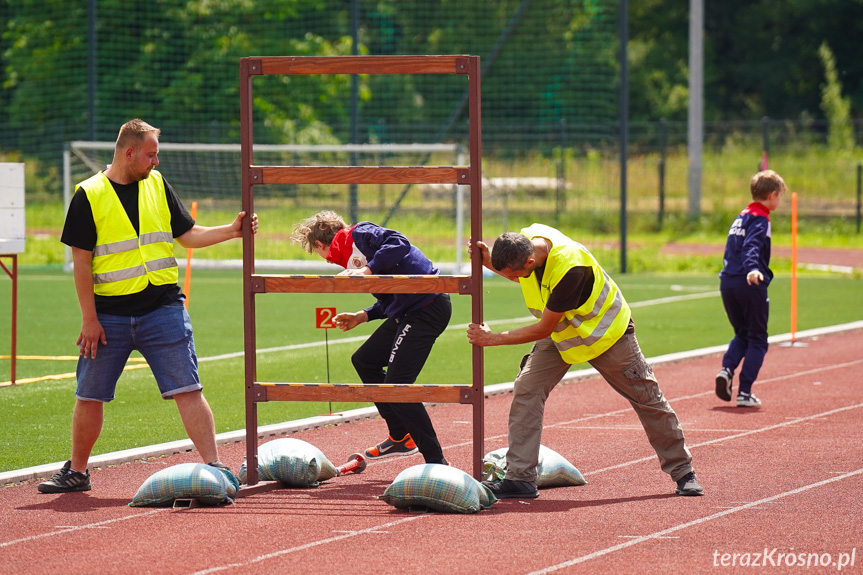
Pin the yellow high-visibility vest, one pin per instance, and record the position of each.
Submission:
(123, 261)
(586, 332)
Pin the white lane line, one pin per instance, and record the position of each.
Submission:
(734, 436)
(674, 299)
(461, 326)
(373, 529)
(636, 427)
(621, 411)
(674, 529)
(675, 400)
(310, 544)
(625, 410)
(65, 530)
(585, 418)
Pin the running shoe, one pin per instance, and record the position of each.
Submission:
(688, 485)
(512, 489)
(747, 400)
(66, 481)
(390, 448)
(723, 384)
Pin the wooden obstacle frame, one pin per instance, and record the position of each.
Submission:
(254, 284)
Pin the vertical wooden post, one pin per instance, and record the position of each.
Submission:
(476, 265)
(248, 69)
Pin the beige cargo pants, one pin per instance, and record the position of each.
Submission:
(624, 367)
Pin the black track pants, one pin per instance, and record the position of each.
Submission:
(396, 353)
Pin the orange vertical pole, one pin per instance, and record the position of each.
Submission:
(187, 282)
(793, 267)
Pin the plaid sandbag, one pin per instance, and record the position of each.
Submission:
(209, 485)
(553, 469)
(438, 487)
(293, 462)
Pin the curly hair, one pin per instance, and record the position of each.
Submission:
(321, 227)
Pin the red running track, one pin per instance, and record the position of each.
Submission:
(782, 483)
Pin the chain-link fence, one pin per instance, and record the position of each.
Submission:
(77, 71)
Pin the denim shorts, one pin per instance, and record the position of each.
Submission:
(164, 338)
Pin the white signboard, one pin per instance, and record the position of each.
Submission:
(12, 229)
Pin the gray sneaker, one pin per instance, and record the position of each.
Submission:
(66, 481)
(723, 384)
(512, 489)
(688, 485)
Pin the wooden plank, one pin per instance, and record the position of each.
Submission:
(359, 175)
(364, 64)
(349, 392)
(360, 284)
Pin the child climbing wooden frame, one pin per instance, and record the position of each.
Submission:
(255, 284)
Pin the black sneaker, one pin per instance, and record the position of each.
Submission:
(723, 384)
(66, 481)
(688, 485)
(512, 489)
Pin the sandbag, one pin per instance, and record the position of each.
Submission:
(439, 488)
(209, 485)
(293, 462)
(553, 469)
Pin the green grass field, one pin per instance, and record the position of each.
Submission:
(37, 416)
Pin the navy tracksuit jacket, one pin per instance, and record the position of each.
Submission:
(747, 306)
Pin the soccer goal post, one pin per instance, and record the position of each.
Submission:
(431, 216)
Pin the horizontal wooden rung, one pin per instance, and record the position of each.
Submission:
(448, 64)
(350, 392)
(360, 284)
(359, 175)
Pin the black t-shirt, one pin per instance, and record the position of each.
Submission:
(572, 291)
(79, 231)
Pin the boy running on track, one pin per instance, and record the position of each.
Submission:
(743, 284)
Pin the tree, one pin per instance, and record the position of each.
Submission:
(761, 57)
(835, 106)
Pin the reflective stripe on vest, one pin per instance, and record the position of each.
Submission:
(587, 332)
(123, 262)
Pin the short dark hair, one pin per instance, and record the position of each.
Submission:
(511, 251)
(132, 133)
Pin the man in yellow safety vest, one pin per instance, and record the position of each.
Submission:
(583, 317)
(121, 226)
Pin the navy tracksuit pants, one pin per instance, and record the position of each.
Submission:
(747, 307)
(402, 346)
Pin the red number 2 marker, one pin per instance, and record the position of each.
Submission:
(324, 317)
